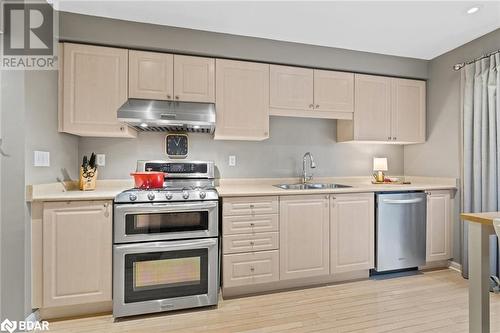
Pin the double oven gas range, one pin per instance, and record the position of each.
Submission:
(166, 246)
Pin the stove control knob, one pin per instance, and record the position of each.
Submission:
(203, 194)
(132, 197)
(168, 196)
(185, 195)
(151, 196)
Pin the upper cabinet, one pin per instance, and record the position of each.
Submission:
(163, 76)
(242, 90)
(93, 85)
(333, 91)
(95, 81)
(151, 75)
(194, 79)
(304, 92)
(291, 88)
(408, 110)
(386, 110)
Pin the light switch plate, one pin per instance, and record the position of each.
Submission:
(101, 160)
(41, 158)
(232, 160)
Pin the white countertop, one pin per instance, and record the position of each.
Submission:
(108, 189)
(258, 187)
(105, 190)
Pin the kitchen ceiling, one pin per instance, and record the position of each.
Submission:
(417, 29)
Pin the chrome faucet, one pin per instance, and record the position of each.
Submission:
(305, 177)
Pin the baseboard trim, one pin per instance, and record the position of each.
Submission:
(455, 266)
(33, 317)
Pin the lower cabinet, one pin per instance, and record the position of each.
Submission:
(297, 240)
(304, 236)
(250, 268)
(438, 231)
(352, 234)
(77, 252)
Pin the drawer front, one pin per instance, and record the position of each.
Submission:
(250, 205)
(249, 224)
(250, 268)
(261, 241)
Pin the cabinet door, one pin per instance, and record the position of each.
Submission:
(352, 240)
(151, 75)
(94, 87)
(242, 90)
(438, 240)
(304, 236)
(77, 245)
(250, 268)
(194, 79)
(408, 110)
(372, 108)
(291, 88)
(333, 91)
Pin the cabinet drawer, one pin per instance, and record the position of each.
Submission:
(250, 268)
(250, 205)
(249, 224)
(250, 242)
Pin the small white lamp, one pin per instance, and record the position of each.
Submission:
(379, 166)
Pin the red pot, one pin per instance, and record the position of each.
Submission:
(148, 179)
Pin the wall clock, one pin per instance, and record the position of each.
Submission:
(176, 145)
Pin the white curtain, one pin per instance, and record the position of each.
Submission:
(481, 135)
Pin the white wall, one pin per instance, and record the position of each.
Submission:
(42, 134)
(279, 156)
(440, 154)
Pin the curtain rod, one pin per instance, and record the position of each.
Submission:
(461, 65)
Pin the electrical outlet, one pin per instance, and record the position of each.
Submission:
(232, 160)
(41, 158)
(101, 160)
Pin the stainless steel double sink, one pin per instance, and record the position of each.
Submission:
(310, 186)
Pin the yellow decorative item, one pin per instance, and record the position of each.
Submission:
(379, 166)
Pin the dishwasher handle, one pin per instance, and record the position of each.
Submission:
(402, 201)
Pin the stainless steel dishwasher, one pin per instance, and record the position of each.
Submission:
(400, 230)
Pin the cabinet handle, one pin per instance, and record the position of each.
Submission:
(168, 96)
(106, 209)
(122, 128)
(252, 206)
(252, 269)
(252, 224)
(177, 97)
(252, 243)
(317, 106)
(311, 106)
(394, 138)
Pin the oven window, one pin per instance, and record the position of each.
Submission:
(160, 275)
(152, 223)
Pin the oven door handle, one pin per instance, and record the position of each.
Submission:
(165, 207)
(175, 245)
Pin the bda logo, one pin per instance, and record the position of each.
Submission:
(8, 326)
(28, 29)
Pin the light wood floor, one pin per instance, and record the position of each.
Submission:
(430, 302)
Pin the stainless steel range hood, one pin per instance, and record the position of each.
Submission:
(160, 116)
